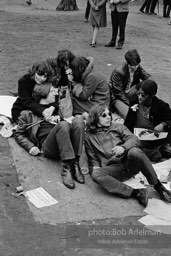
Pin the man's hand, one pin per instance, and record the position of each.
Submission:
(118, 150)
(34, 151)
(159, 128)
(48, 112)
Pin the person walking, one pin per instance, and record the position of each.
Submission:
(119, 14)
(98, 17)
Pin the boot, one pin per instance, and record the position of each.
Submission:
(66, 174)
(164, 194)
(77, 174)
(141, 195)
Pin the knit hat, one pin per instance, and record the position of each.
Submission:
(149, 87)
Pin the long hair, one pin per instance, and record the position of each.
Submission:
(64, 57)
(93, 117)
(41, 68)
(78, 66)
(41, 91)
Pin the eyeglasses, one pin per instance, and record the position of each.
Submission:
(141, 94)
(106, 114)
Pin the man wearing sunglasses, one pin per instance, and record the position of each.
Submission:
(124, 83)
(153, 114)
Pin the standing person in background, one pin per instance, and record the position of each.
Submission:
(119, 14)
(87, 11)
(146, 6)
(166, 8)
(98, 17)
(153, 6)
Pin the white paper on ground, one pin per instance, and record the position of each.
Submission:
(40, 198)
(156, 224)
(159, 209)
(134, 183)
(6, 103)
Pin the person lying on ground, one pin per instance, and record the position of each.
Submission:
(39, 73)
(124, 83)
(114, 156)
(90, 86)
(56, 138)
(153, 114)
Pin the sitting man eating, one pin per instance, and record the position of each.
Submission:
(153, 114)
(57, 138)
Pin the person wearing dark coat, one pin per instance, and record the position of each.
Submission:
(89, 85)
(39, 73)
(114, 156)
(125, 81)
(152, 114)
(54, 137)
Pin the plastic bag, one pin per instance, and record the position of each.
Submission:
(65, 104)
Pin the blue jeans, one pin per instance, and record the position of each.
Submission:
(65, 141)
(111, 177)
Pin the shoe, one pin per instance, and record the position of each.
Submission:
(110, 44)
(86, 20)
(142, 197)
(141, 10)
(77, 174)
(93, 44)
(29, 3)
(164, 194)
(165, 150)
(147, 12)
(67, 178)
(119, 47)
(153, 13)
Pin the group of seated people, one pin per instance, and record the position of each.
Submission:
(114, 153)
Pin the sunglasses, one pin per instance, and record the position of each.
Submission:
(142, 94)
(106, 114)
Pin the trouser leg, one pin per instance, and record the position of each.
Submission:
(77, 135)
(122, 17)
(58, 143)
(138, 161)
(143, 5)
(148, 5)
(121, 108)
(87, 12)
(153, 6)
(110, 177)
(115, 24)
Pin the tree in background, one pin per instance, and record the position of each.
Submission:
(67, 5)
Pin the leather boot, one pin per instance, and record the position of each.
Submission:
(141, 195)
(164, 194)
(66, 174)
(77, 174)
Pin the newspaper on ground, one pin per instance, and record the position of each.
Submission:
(40, 198)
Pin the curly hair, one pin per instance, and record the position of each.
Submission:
(132, 57)
(41, 68)
(64, 58)
(93, 117)
(78, 66)
(41, 91)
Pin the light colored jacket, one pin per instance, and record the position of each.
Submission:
(122, 6)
